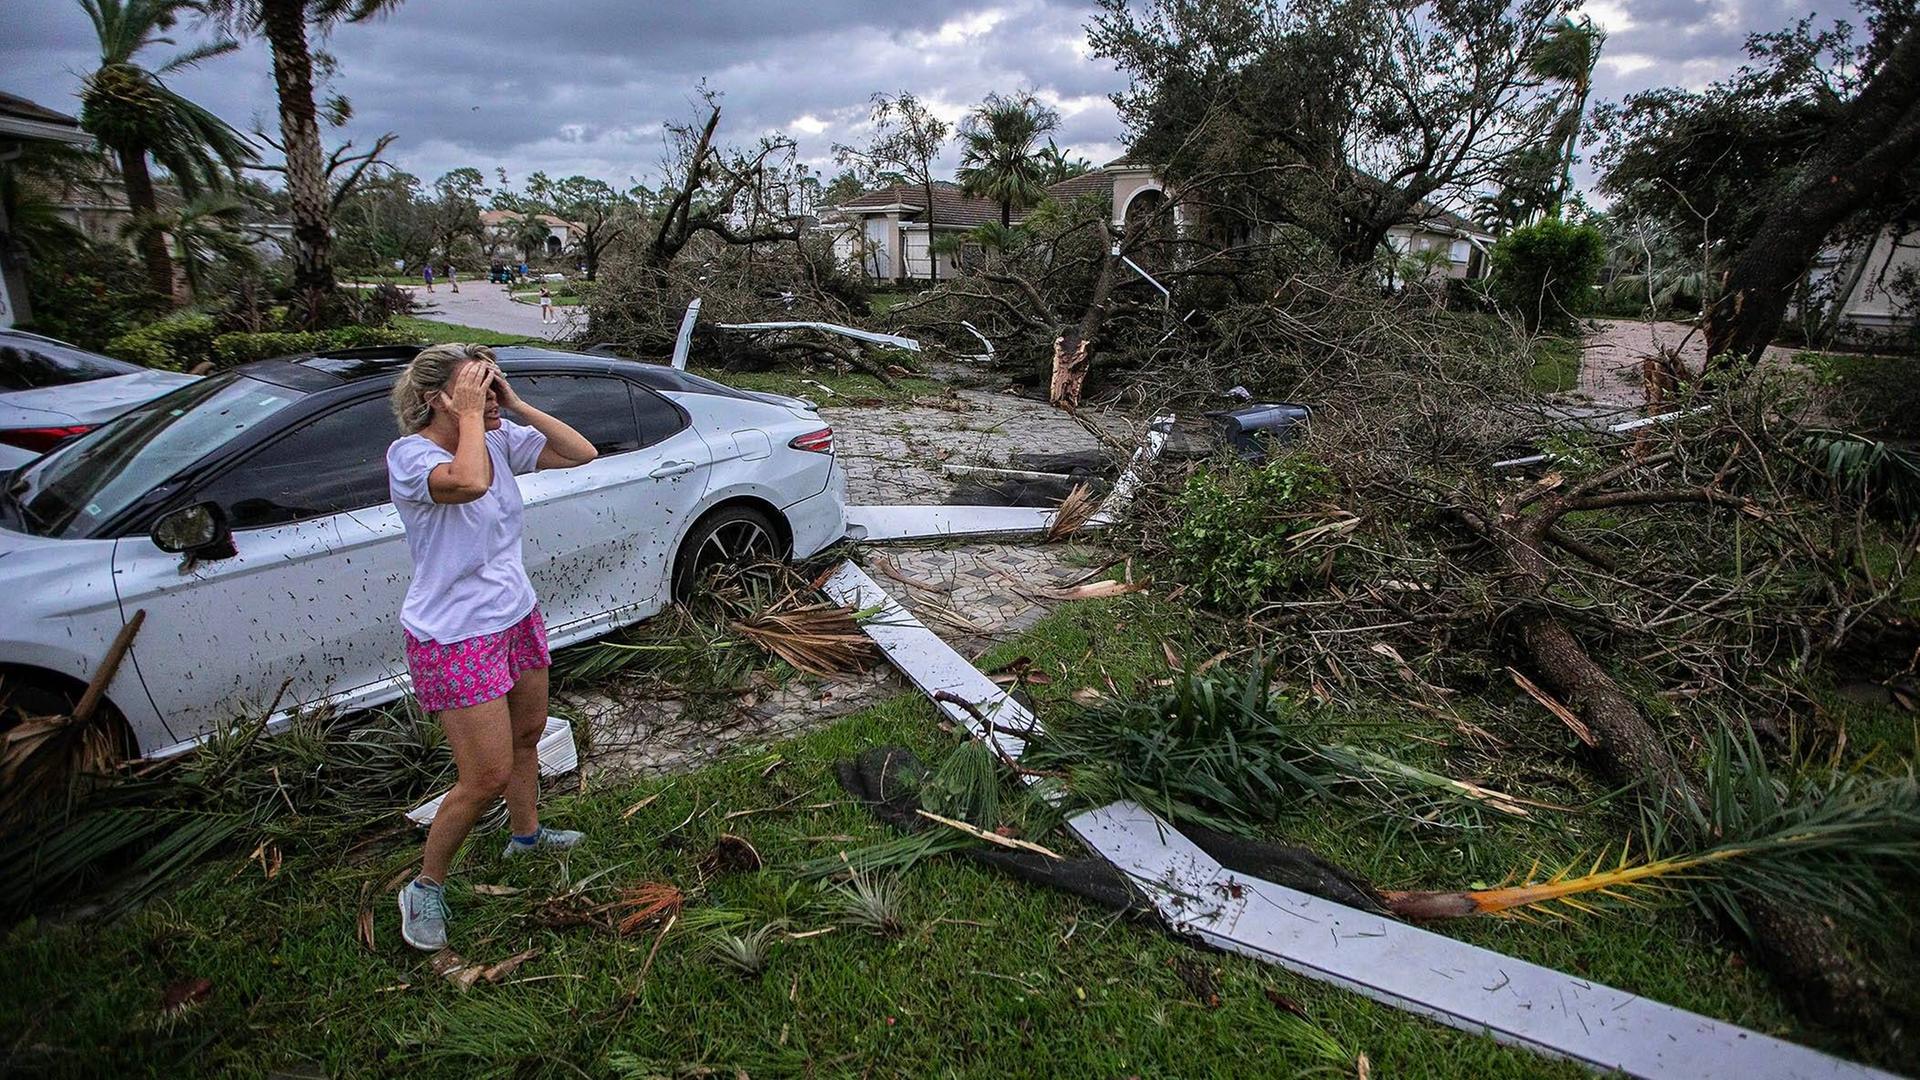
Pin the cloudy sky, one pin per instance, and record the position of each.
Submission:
(583, 86)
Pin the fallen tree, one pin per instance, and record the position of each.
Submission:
(1651, 587)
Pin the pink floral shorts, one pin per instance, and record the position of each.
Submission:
(478, 669)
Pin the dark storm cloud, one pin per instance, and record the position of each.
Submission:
(585, 85)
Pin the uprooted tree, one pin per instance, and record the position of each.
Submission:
(1654, 586)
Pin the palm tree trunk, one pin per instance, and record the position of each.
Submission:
(1006, 213)
(140, 199)
(1566, 155)
(286, 30)
(933, 260)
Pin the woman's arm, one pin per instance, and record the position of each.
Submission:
(565, 447)
(470, 473)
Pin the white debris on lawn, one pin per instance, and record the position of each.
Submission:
(1458, 984)
(881, 524)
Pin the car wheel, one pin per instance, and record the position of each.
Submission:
(734, 536)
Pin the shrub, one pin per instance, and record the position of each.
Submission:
(1546, 271)
(1236, 540)
(89, 294)
(232, 349)
(175, 343)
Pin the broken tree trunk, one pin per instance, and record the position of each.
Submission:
(1806, 954)
(1875, 138)
(1073, 349)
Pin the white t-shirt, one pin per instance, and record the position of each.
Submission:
(468, 579)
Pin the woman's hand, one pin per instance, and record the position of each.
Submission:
(502, 391)
(466, 395)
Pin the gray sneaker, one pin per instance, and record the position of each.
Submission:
(545, 839)
(423, 915)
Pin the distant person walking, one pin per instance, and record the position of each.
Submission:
(476, 645)
(426, 273)
(546, 305)
(453, 277)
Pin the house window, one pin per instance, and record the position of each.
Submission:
(1459, 251)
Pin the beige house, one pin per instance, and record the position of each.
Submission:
(502, 228)
(886, 233)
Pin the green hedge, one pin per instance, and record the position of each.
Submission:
(175, 343)
(239, 348)
(183, 342)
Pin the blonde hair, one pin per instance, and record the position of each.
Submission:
(427, 375)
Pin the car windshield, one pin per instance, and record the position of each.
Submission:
(28, 364)
(84, 482)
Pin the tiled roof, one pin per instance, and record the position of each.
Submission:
(491, 218)
(27, 110)
(951, 207)
(1092, 182)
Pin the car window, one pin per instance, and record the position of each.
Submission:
(84, 482)
(597, 406)
(658, 417)
(335, 462)
(33, 365)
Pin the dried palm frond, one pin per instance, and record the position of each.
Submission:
(42, 756)
(1073, 512)
(817, 637)
(47, 749)
(645, 903)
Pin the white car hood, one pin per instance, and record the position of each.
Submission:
(97, 400)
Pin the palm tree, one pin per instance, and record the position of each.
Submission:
(133, 113)
(1056, 166)
(284, 24)
(999, 161)
(532, 235)
(1567, 55)
(206, 228)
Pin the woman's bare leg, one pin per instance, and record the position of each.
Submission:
(527, 705)
(481, 737)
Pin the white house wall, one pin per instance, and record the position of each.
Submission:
(1873, 305)
(881, 234)
(914, 242)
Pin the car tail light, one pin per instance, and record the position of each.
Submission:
(819, 442)
(41, 439)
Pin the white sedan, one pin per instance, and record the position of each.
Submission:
(247, 515)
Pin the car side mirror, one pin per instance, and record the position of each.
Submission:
(199, 530)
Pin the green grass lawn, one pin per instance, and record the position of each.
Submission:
(990, 976)
(853, 389)
(1556, 365)
(431, 332)
(879, 303)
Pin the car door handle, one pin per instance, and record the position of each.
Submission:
(672, 468)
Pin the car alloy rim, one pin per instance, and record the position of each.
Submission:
(737, 543)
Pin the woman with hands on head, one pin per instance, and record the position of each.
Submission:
(476, 646)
